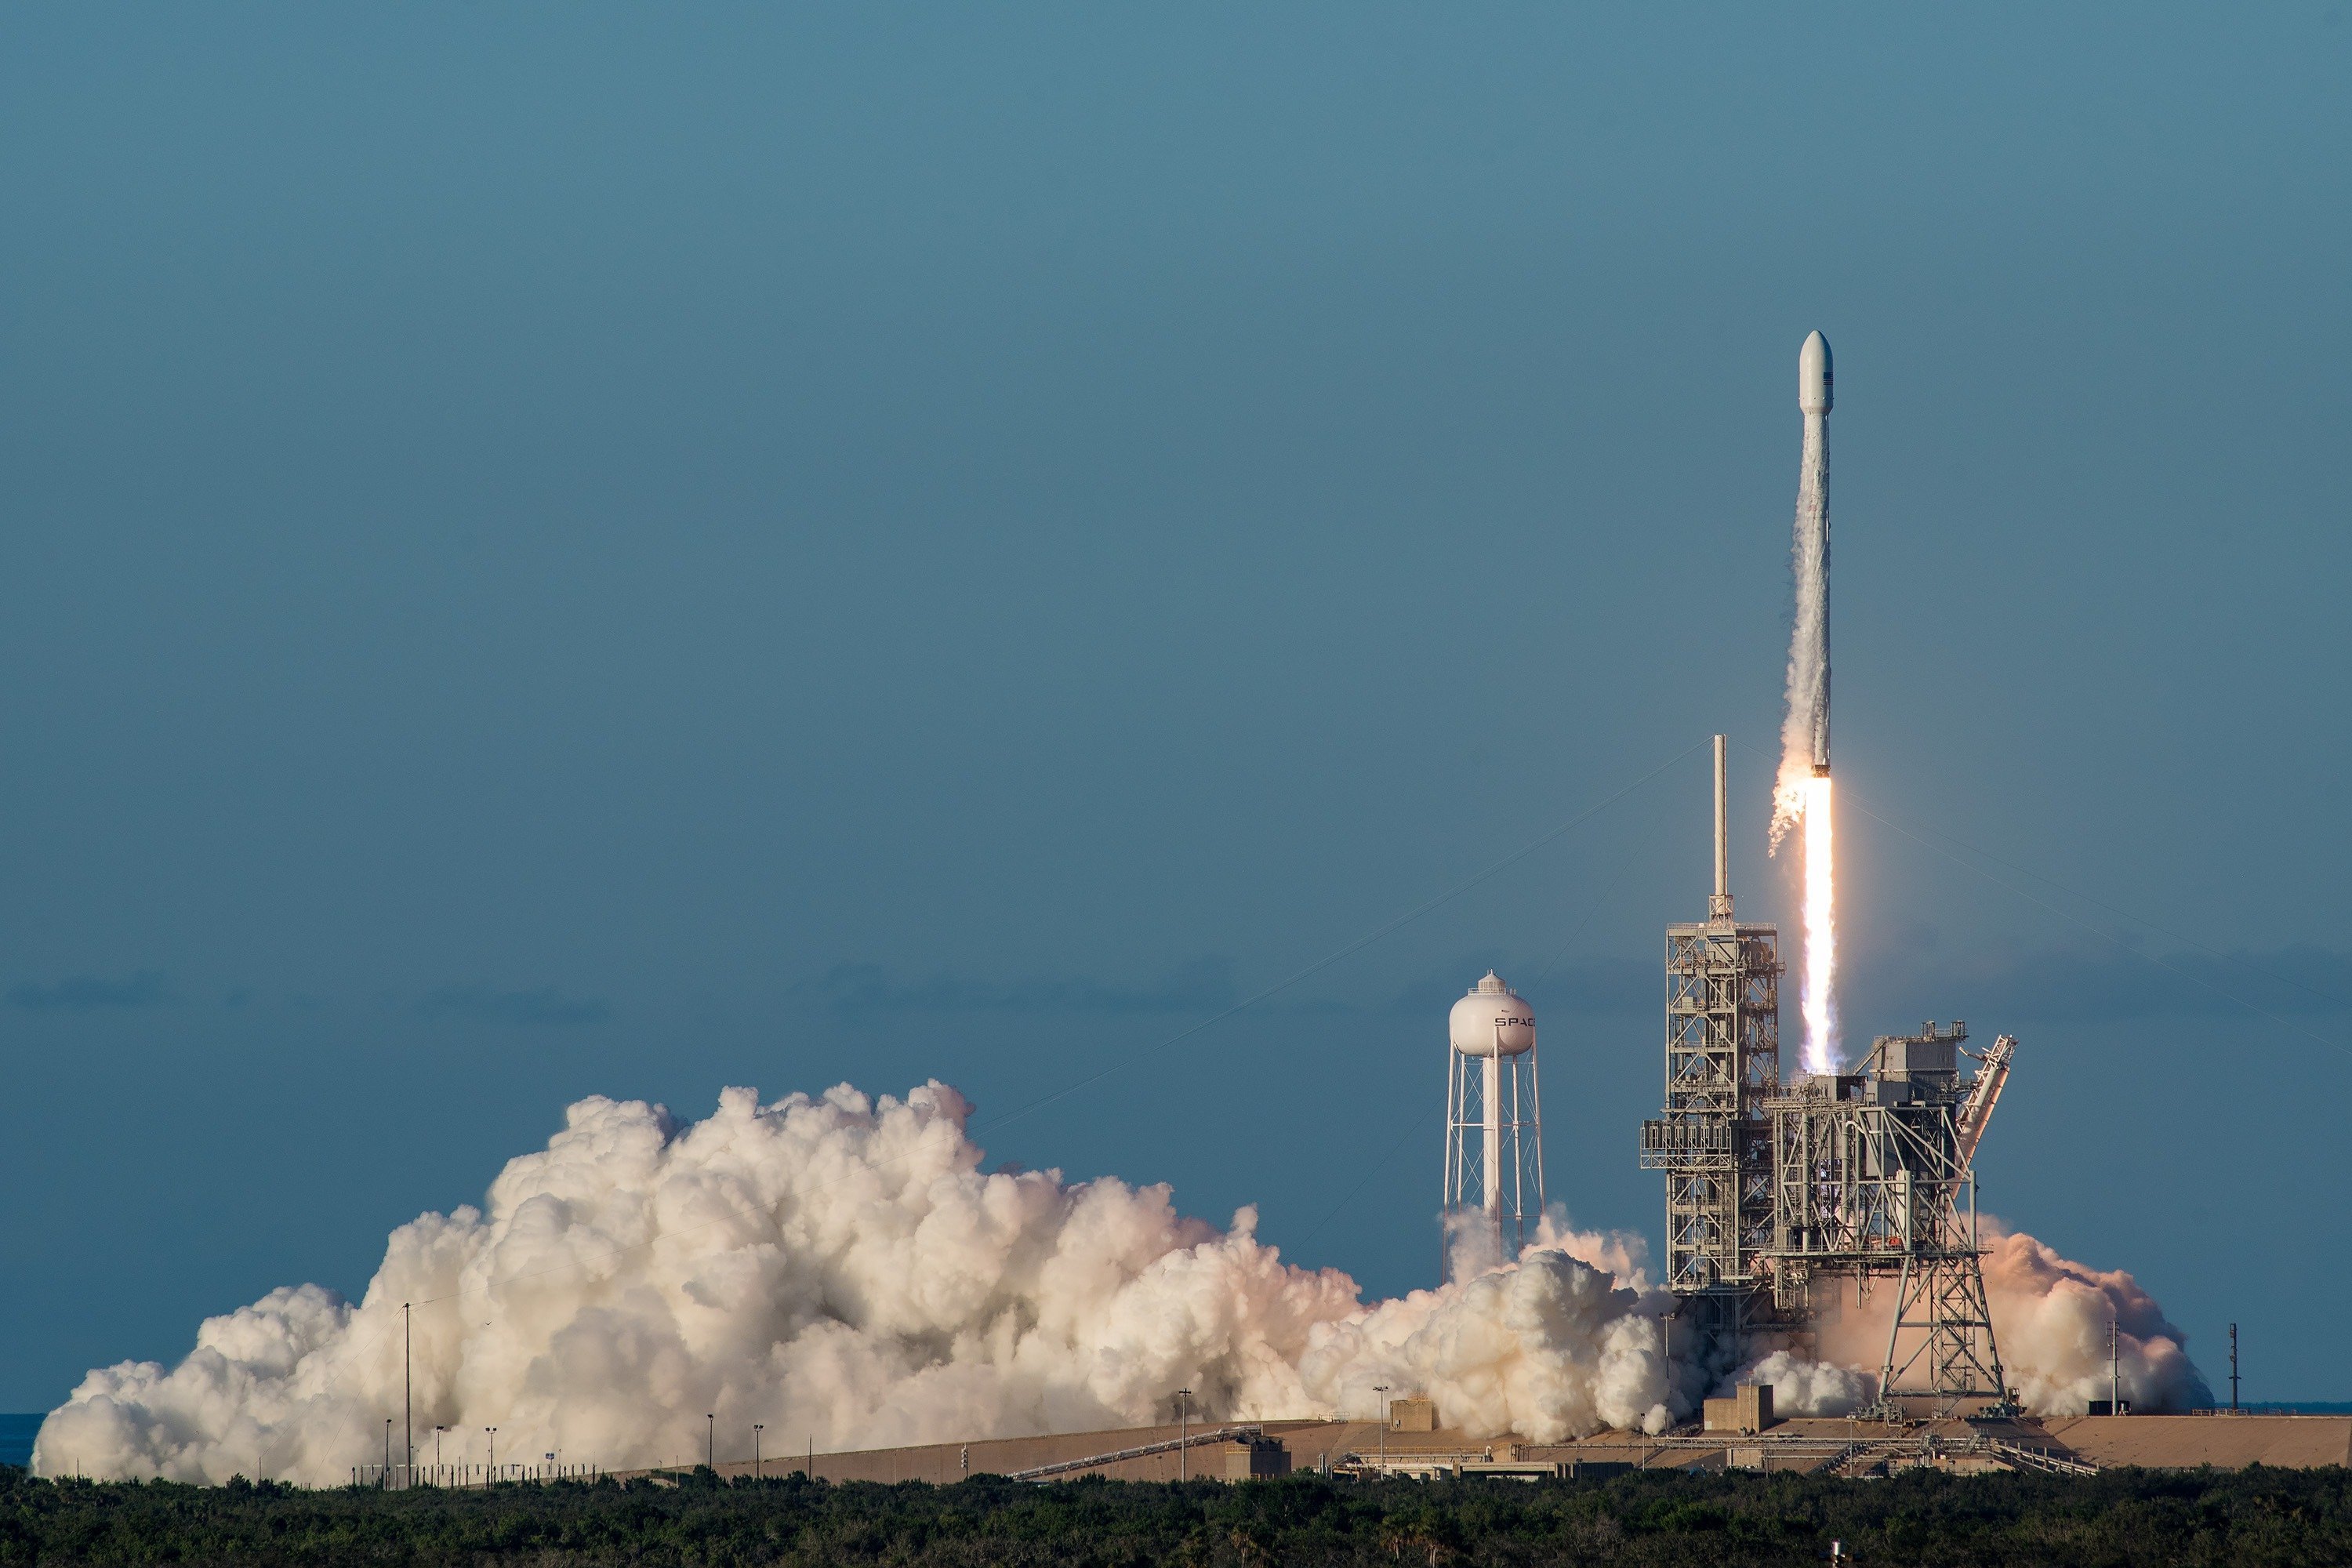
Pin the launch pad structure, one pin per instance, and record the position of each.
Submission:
(1723, 1062)
(1780, 1192)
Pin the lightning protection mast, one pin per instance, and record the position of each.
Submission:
(1493, 1128)
(1713, 1143)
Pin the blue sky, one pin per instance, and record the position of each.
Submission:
(571, 549)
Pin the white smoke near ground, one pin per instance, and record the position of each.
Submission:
(840, 1269)
(2050, 1317)
(1474, 1246)
(1802, 1387)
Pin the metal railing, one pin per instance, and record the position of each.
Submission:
(2040, 1459)
(397, 1477)
(1220, 1435)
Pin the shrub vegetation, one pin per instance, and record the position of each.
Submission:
(2248, 1519)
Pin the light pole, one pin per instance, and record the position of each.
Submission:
(710, 1444)
(756, 1429)
(387, 1454)
(408, 1406)
(490, 1470)
(1183, 1411)
(437, 1453)
(1383, 1390)
(2233, 1369)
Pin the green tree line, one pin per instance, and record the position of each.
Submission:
(2247, 1519)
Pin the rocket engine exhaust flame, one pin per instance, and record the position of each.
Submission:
(1801, 794)
(1821, 930)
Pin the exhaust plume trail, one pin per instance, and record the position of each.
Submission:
(1801, 790)
(1820, 928)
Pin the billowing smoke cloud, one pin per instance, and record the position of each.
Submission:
(2050, 1317)
(842, 1270)
(1802, 1387)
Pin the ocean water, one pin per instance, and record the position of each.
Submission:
(16, 1439)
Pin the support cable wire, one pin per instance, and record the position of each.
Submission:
(1156, 1052)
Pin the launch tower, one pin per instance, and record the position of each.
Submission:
(1778, 1195)
(1874, 1176)
(1714, 1141)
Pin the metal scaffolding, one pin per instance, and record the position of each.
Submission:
(1873, 1178)
(1774, 1191)
(1723, 1062)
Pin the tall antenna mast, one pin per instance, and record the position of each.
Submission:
(1718, 906)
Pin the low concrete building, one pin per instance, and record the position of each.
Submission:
(1255, 1459)
(1412, 1416)
(1748, 1411)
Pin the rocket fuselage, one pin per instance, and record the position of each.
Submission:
(1809, 690)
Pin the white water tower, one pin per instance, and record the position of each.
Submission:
(1494, 1121)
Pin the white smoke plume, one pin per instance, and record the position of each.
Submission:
(1802, 1387)
(840, 1269)
(2050, 1318)
(1805, 728)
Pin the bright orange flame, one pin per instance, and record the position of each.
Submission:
(1820, 927)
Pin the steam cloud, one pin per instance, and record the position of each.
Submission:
(841, 1270)
(2050, 1316)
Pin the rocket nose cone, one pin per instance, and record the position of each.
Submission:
(1815, 380)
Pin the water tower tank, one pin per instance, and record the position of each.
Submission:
(1492, 1021)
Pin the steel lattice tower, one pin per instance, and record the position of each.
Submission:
(1873, 1178)
(1723, 1062)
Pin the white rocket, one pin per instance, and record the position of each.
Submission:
(1809, 664)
